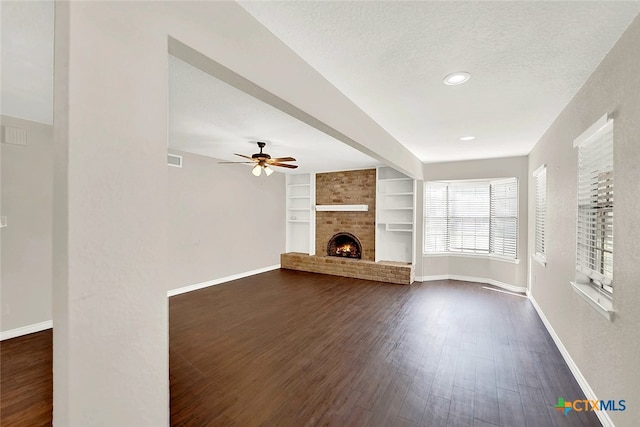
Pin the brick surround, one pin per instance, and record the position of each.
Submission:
(347, 188)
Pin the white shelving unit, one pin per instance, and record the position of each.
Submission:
(395, 216)
(301, 221)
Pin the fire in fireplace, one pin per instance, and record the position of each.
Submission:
(344, 245)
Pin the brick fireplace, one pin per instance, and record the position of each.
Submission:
(347, 188)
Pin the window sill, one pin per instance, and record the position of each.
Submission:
(597, 300)
(470, 255)
(542, 261)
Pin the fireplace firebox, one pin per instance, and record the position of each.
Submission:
(344, 245)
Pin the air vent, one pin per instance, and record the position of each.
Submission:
(174, 160)
(13, 135)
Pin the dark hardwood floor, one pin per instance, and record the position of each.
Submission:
(289, 348)
(26, 380)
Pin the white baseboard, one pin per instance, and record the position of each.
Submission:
(507, 286)
(430, 278)
(25, 330)
(582, 381)
(214, 282)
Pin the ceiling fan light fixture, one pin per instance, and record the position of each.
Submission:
(263, 160)
(456, 78)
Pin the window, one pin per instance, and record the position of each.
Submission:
(478, 217)
(468, 217)
(504, 217)
(594, 251)
(435, 219)
(540, 176)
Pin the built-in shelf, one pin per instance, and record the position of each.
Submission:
(406, 227)
(300, 219)
(395, 216)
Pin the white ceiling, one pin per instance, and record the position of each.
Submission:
(212, 118)
(527, 60)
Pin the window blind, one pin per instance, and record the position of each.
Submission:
(504, 217)
(435, 218)
(540, 211)
(468, 217)
(595, 206)
(472, 217)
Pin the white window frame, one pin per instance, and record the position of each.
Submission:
(595, 286)
(489, 254)
(540, 223)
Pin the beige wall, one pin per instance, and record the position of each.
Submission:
(205, 210)
(222, 220)
(606, 352)
(27, 197)
(485, 268)
(111, 224)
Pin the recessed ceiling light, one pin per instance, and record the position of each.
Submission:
(467, 138)
(456, 78)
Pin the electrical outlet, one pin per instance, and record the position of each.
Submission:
(3, 221)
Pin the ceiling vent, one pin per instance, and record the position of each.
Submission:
(174, 160)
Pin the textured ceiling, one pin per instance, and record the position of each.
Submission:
(527, 60)
(212, 118)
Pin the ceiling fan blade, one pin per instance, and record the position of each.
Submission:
(284, 165)
(246, 157)
(246, 163)
(282, 159)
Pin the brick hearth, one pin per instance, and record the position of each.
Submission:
(384, 271)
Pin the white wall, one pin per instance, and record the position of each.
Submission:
(222, 220)
(110, 217)
(606, 352)
(485, 268)
(27, 197)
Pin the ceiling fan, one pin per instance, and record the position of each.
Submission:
(263, 161)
